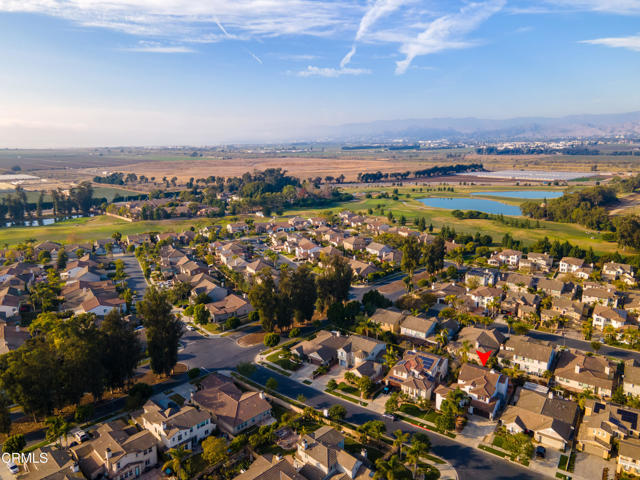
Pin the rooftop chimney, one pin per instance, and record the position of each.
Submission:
(262, 395)
(75, 468)
(304, 444)
(578, 368)
(607, 370)
(550, 394)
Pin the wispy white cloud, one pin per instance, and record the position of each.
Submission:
(447, 32)
(312, 71)
(606, 6)
(377, 10)
(296, 57)
(631, 42)
(188, 20)
(156, 47)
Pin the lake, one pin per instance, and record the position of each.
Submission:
(532, 194)
(479, 204)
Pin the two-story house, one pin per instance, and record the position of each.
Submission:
(118, 451)
(175, 427)
(418, 373)
(417, 327)
(602, 422)
(570, 264)
(577, 372)
(631, 379)
(533, 356)
(233, 410)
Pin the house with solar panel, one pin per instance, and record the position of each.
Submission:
(602, 423)
(418, 373)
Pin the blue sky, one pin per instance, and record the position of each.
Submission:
(160, 72)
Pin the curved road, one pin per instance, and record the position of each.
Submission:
(224, 353)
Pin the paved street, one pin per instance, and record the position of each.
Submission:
(559, 340)
(224, 353)
(135, 279)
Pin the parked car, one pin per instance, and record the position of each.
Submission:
(540, 451)
(13, 468)
(81, 436)
(390, 416)
(191, 328)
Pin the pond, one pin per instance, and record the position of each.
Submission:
(532, 194)
(42, 221)
(479, 204)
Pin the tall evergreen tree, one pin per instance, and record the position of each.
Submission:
(121, 350)
(164, 331)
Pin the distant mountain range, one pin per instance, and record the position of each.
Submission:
(525, 128)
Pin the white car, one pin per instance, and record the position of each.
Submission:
(191, 328)
(81, 436)
(13, 468)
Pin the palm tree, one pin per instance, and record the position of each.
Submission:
(417, 450)
(57, 428)
(365, 326)
(176, 462)
(390, 470)
(442, 337)
(400, 439)
(466, 348)
(376, 329)
(494, 305)
(391, 357)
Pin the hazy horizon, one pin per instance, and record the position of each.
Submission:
(86, 73)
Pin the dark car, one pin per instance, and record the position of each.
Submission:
(540, 452)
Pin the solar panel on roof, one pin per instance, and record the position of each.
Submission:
(426, 361)
(629, 417)
(597, 407)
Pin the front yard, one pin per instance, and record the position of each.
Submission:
(283, 359)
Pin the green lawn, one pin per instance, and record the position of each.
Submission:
(350, 389)
(279, 359)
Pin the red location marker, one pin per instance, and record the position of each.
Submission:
(484, 356)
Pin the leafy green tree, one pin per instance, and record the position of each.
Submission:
(298, 288)
(332, 384)
(391, 469)
(433, 255)
(14, 444)
(5, 415)
(416, 452)
(61, 262)
(335, 282)
(121, 350)
(411, 254)
(271, 384)
(393, 403)
(163, 329)
(214, 450)
(365, 384)
(337, 412)
(264, 298)
(271, 339)
(619, 396)
(372, 430)
(200, 314)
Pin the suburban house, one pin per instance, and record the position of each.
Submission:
(506, 257)
(378, 249)
(477, 339)
(418, 373)
(570, 264)
(576, 371)
(230, 306)
(321, 350)
(173, 427)
(552, 421)
(357, 350)
(362, 269)
(603, 316)
(631, 379)
(483, 297)
(602, 422)
(618, 271)
(417, 327)
(629, 456)
(554, 288)
(388, 319)
(233, 410)
(487, 389)
(600, 295)
(117, 450)
(533, 356)
(537, 261)
(321, 455)
(483, 277)
(270, 467)
(354, 243)
(12, 337)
